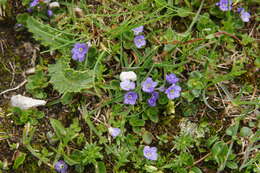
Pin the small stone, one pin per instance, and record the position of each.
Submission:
(30, 70)
(26, 102)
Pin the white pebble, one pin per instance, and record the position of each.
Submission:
(26, 102)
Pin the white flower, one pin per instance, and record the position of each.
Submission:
(130, 75)
(26, 102)
(54, 5)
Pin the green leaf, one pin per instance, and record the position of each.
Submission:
(19, 160)
(245, 131)
(152, 114)
(58, 128)
(150, 168)
(147, 137)
(136, 122)
(187, 95)
(47, 35)
(66, 79)
(36, 83)
(211, 141)
(231, 131)
(195, 170)
(232, 165)
(184, 12)
(219, 151)
(100, 167)
(22, 18)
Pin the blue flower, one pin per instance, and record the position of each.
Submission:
(34, 3)
(172, 78)
(138, 30)
(49, 13)
(224, 5)
(139, 41)
(173, 92)
(130, 98)
(239, 10)
(114, 132)
(245, 16)
(150, 153)
(61, 166)
(148, 85)
(79, 51)
(152, 100)
(127, 85)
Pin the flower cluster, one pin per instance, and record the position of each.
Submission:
(127, 84)
(34, 3)
(226, 5)
(148, 86)
(172, 92)
(139, 40)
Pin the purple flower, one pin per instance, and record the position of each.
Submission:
(245, 16)
(239, 10)
(224, 5)
(114, 132)
(152, 100)
(138, 30)
(172, 78)
(61, 166)
(130, 98)
(34, 3)
(173, 91)
(79, 51)
(150, 153)
(127, 85)
(49, 13)
(148, 85)
(139, 41)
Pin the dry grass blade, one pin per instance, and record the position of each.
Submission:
(2, 10)
(3, 44)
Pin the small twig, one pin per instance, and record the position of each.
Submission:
(12, 89)
(201, 159)
(228, 34)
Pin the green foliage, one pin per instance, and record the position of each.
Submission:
(24, 116)
(47, 35)
(89, 155)
(195, 85)
(211, 127)
(67, 80)
(19, 160)
(147, 137)
(65, 135)
(36, 83)
(183, 142)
